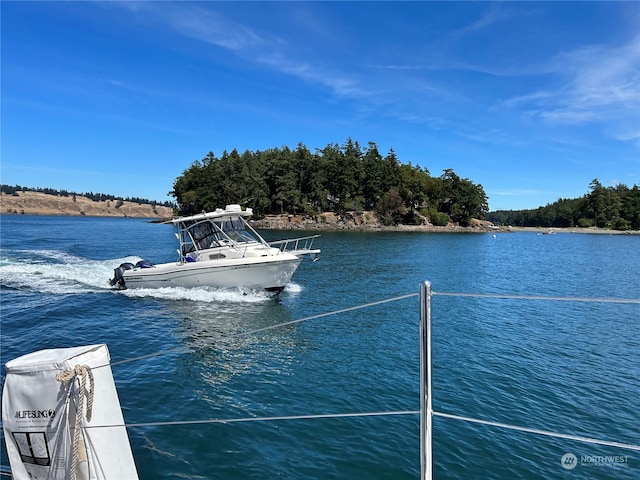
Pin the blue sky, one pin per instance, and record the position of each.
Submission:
(532, 100)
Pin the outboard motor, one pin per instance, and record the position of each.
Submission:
(118, 279)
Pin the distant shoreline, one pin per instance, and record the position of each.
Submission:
(574, 230)
(37, 203)
(445, 229)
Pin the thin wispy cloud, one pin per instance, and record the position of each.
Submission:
(272, 52)
(340, 84)
(197, 22)
(210, 27)
(596, 83)
(496, 13)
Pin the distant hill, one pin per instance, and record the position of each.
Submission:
(39, 203)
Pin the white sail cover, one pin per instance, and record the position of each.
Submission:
(39, 417)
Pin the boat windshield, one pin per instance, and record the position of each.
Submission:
(204, 234)
(199, 236)
(235, 229)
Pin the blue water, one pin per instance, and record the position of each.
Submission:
(570, 367)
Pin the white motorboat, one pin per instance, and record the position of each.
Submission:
(220, 249)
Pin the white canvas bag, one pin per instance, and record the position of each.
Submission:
(39, 417)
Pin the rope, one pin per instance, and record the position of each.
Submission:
(81, 372)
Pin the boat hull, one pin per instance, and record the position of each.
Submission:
(269, 273)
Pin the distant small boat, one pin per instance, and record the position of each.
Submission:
(549, 231)
(220, 249)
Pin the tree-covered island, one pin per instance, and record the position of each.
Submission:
(350, 178)
(333, 179)
(615, 208)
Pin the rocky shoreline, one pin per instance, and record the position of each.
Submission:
(368, 222)
(359, 222)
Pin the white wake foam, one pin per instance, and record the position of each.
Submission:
(199, 294)
(48, 271)
(55, 272)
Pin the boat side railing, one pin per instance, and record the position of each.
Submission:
(426, 410)
(301, 245)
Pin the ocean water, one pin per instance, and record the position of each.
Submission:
(565, 366)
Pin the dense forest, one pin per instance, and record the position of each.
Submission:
(335, 178)
(96, 197)
(617, 208)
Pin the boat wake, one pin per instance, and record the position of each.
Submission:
(51, 271)
(55, 272)
(199, 294)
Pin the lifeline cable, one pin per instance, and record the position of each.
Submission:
(539, 432)
(537, 297)
(226, 421)
(394, 299)
(271, 327)
(388, 300)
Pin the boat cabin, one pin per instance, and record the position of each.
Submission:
(218, 229)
